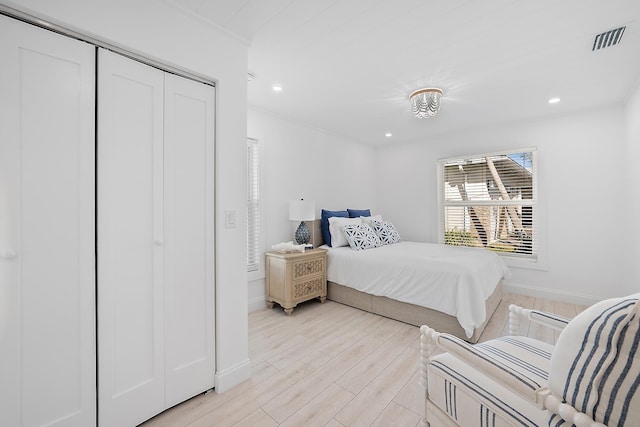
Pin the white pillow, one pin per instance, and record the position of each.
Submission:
(337, 233)
(368, 219)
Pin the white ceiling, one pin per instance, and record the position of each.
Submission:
(348, 66)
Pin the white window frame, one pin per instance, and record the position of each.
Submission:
(538, 260)
(256, 270)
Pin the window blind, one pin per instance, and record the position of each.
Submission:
(490, 201)
(253, 206)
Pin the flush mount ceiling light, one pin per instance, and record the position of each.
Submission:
(425, 102)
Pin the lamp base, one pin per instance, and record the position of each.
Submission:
(303, 235)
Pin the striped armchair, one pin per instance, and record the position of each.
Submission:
(591, 377)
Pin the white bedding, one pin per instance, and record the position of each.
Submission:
(454, 280)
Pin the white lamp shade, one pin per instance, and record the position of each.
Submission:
(302, 210)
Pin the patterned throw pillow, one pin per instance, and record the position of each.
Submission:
(386, 232)
(595, 366)
(361, 236)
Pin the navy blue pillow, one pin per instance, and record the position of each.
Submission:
(324, 223)
(357, 213)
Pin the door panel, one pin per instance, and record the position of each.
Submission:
(47, 265)
(189, 193)
(130, 239)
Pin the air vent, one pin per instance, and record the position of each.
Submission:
(609, 38)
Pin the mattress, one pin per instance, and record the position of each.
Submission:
(451, 279)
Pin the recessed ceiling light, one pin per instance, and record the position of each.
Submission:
(554, 100)
(277, 87)
(388, 134)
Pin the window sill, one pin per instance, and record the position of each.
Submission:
(529, 264)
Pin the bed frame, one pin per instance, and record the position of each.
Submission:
(402, 311)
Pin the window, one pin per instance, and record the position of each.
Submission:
(490, 201)
(253, 206)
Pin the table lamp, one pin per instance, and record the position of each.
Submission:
(302, 210)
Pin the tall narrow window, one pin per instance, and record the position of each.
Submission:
(490, 201)
(253, 205)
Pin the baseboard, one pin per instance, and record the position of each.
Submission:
(551, 294)
(257, 304)
(229, 378)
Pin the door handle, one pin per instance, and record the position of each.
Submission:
(8, 254)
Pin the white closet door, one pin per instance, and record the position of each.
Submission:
(130, 239)
(189, 276)
(47, 269)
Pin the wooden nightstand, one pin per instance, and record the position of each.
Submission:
(295, 277)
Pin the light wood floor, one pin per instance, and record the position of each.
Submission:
(331, 365)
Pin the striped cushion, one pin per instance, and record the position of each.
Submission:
(470, 398)
(559, 322)
(596, 365)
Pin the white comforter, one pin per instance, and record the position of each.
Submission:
(453, 280)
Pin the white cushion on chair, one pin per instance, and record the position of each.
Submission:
(596, 364)
(471, 398)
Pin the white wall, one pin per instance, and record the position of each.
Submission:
(156, 30)
(583, 211)
(633, 188)
(299, 161)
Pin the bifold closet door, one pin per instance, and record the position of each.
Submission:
(188, 243)
(47, 226)
(130, 239)
(156, 327)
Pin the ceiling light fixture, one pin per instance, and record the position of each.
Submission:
(425, 102)
(277, 88)
(554, 100)
(388, 134)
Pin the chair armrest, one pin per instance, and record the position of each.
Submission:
(517, 314)
(515, 381)
(567, 412)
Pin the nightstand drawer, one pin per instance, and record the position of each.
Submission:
(309, 288)
(309, 267)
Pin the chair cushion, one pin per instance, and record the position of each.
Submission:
(471, 398)
(596, 364)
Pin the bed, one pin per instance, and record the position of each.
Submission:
(457, 286)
